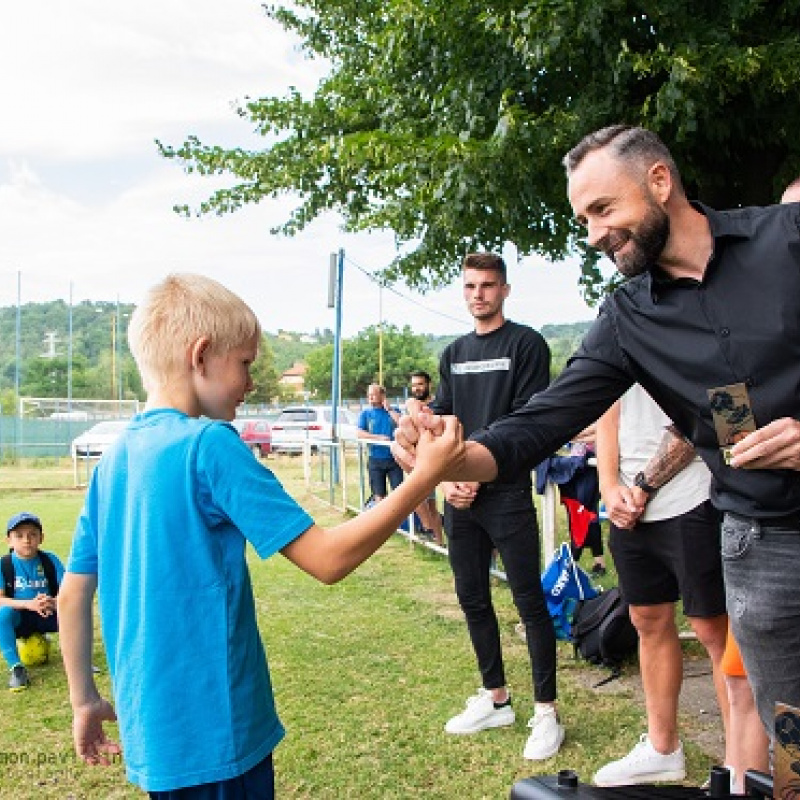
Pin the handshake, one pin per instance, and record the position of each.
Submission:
(422, 436)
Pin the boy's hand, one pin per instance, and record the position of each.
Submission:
(43, 605)
(442, 452)
(91, 744)
(409, 428)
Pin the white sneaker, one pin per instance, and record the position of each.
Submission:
(644, 764)
(547, 734)
(480, 714)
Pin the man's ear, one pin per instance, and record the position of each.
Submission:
(660, 180)
(198, 353)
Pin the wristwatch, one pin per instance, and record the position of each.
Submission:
(640, 481)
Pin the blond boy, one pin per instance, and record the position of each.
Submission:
(162, 540)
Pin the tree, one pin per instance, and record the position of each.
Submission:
(403, 352)
(445, 120)
(265, 376)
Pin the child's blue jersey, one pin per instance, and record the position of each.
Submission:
(164, 526)
(29, 578)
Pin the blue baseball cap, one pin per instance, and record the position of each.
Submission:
(23, 516)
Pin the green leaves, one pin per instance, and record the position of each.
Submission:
(445, 122)
(402, 351)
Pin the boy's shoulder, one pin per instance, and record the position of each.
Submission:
(167, 423)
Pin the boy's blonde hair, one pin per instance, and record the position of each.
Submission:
(179, 311)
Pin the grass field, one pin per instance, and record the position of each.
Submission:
(365, 675)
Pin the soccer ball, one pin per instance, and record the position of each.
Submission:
(34, 650)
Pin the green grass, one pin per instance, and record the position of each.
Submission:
(365, 675)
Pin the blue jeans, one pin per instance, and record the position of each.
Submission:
(761, 561)
(506, 520)
(380, 470)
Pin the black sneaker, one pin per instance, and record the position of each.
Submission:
(18, 681)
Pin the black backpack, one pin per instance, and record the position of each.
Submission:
(602, 631)
(48, 567)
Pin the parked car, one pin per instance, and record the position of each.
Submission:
(93, 442)
(256, 434)
(295, 424)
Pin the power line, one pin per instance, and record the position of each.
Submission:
(402, 296)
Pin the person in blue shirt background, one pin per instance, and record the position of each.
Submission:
(27, 598)
(377, 423)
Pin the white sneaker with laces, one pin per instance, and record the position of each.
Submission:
(546, 735)
(480, 714)
(644, 764)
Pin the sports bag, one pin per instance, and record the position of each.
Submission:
(565, 585)
(602, 631)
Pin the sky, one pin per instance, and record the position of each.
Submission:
(86, 200)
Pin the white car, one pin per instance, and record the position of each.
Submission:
(296, 424)
(95, 441)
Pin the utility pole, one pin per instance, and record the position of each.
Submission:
(335, 295)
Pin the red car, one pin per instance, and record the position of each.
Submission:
(257, 435)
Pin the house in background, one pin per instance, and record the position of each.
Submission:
(293, 380)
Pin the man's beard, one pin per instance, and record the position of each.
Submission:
(645, 245)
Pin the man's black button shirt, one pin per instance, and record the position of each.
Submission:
(679, 338)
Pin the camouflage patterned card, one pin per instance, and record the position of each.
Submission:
(733, 415)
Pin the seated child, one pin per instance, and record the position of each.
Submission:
(161, 539)
(31, 578)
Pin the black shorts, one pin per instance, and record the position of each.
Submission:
(660, 562)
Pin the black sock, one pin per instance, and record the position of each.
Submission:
(506, 702)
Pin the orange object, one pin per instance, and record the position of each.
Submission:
(731, 663)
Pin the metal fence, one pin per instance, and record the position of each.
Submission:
(25, 437)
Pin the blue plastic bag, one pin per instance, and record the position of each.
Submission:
(565, 584)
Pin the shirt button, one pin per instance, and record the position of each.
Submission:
(749, 382)
(725, 332)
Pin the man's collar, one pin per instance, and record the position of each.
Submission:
(734, 224)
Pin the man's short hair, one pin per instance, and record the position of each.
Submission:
(179, 311)
(420, 373)
(631, 145)
(487, 261)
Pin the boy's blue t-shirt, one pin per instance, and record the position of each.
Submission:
(378, 421)
(29, 577)
(167, 515)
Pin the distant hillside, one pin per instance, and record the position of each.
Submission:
(563, 340)
(292, 346)
(97, 325)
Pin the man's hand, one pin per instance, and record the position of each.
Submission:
(90, 741)
(407, 433)
(775, 446)
(42, 604)
(460, 494)
(624, 505)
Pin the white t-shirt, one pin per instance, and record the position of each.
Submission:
(641, 428)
